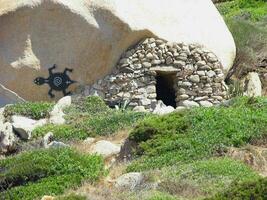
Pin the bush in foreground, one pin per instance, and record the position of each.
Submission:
(249, 190)
(198, 133)
(46, 172)
(34, 110)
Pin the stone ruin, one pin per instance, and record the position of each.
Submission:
(178, 74)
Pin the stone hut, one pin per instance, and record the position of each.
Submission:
(176, 73)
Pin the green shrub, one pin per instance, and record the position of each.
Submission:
(62, 132)
(34, 110)
(198, 133)
(46, 172)
(253, 189)
(206, 177)
(253, 9)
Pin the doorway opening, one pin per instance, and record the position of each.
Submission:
(165, 89)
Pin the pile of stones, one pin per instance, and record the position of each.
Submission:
(196, 72)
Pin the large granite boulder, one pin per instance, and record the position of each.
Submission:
(89, 36)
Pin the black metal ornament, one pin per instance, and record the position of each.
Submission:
(56, 81)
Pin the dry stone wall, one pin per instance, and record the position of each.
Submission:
(195, 72)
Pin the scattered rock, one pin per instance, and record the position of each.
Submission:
(129, 181)
(162, 109)
(57, 114)
(23, 126)
(205, 103)
(56, 144)
(105, 148)
(7, 138)
(48, 198)
(189, 104)
(252, 85)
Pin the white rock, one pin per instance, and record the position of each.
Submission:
(129, 181)
(57, 114)
(92, 35)
(105, 148)
(7, 138)
(205, 103)
(139, 109)
(162, 109)
(252, 85)
(24, 126)
(189, 104)
(56, 144)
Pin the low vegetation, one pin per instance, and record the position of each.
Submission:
(203, 178)
(90, 117)
(34, 110)
(253, 10)
(197, 134)
(253, 189)
(37, 173)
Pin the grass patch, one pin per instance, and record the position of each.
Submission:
(254, 10)
(161, 196)
(197, 134)
(34, 174)
(34, 110)
(204, 178)
(253, 189)
(90, 117)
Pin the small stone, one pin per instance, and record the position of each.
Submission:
(211, 74)
(189, 104)
(169, 60)
(205, 103)
(179, 64)
(183, 97)
(147, 64)
(201, 63)
(150, 56)
(89, 141)
(194, 78)
(105, 148)
(129, 181)
(201, 73)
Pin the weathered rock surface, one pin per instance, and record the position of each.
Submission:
(252, 85)
(105, 148)
(7, 138)
(254, 156)
(162, 109)
(8, 97)
(57, 114)
(90, 36)
(24, 126)
(129, 181)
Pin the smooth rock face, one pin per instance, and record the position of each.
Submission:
(252, 85)
(105, 148)
(129, 181)
(89, 36)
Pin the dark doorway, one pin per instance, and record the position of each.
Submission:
(165, 89)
